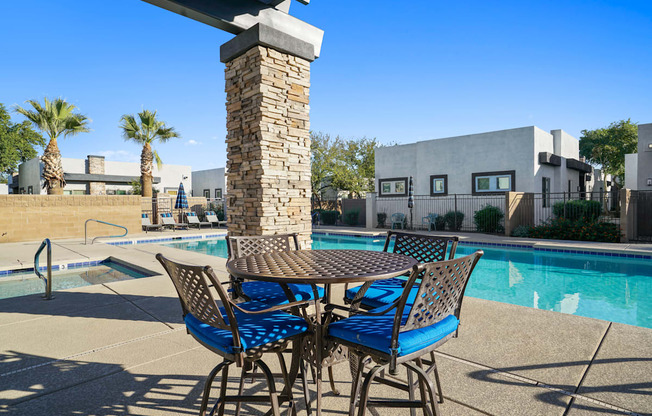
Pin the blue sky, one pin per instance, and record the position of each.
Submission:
(397, 71)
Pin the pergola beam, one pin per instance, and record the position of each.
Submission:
(236, 16)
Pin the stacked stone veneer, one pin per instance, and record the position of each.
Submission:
(35, 217)
(268, 144)
(96, 166)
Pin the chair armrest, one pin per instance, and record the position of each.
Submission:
(283, 307)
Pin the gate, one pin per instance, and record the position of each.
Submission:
(643, 215)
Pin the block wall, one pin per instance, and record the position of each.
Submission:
(268, 144)
(35, 217)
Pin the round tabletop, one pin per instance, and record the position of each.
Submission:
(321, 266)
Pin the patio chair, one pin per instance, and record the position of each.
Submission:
(239, 333)
(168, 221)
(402, 334)
(423, 248)
(269, 293)
(211, 217)
(398, 219)
(192, 219)
(147, 224)
(429, 221)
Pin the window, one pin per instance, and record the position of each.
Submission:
(493, 182)
(438, 185)
(545, 191)
(218, 193)
(393, 187)
(207, 193)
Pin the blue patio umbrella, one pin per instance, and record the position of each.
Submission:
(181, 202)
(411, 199)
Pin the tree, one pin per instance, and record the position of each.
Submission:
(17, 142)
(355, 168)
(324, 152)
(55, 118)
(606, 147)
(145, 131)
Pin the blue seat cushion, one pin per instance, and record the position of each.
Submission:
(272, 293)
(376, 332)
(255, 330)
(383, 292)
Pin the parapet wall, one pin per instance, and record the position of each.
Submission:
(35, 217)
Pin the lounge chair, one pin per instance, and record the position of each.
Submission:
(168, 221)
(403, 333)
(194, 220)
(398, 219)
(147, 224)
(211, 217)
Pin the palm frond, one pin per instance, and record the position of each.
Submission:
(55, 117)
(157, 158)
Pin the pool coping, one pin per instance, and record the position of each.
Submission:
(72, 265)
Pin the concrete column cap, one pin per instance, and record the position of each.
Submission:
(267, 36)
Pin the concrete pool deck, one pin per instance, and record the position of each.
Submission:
(121, 348)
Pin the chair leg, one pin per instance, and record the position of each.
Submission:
(423, 377)
(356, 381)
(410, 381)
(422, 391)
(208, 385)
(434, 366)
(225, 382)
(241, 389)
(273, 395)
(306, 392)
(364, 394)
(288, 385)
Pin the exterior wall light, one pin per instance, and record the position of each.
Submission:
(649, 181)
(649, 147)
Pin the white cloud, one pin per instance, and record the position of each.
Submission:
(192, 142)
(120, 155)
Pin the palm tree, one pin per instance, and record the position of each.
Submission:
(55, 118)
(145, 131)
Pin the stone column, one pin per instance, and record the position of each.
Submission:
(95, 165)
(268, 139)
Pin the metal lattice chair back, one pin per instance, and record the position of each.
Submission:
(195, 295)
(423, 248)
(245, 246)
(440, 291)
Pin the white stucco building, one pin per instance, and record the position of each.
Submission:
(210, 183)
(98, 176)
(4, 189)
(638, 166)
(525, 159)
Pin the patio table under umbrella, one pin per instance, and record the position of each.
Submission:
(182, 201)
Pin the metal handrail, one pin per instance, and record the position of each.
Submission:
(48, 279)
(102, 236)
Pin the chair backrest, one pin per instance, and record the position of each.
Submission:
(167, 218)
(245, 246)
(398, 217)
(424, 248)
(192, 218)
(211, 216)
(440, 292)
(145, 220)
(192, 285)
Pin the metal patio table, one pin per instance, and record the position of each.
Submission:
(315, 267)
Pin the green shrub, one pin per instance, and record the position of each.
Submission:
(521, 231)
(453, 220)
(488, 218)
(440, 223)
(382, 219)
(351, 217)
(581, 230)
(329, 217)
(577, 210)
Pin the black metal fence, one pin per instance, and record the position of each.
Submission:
(573, 206)
(459, 212)
(641, 202)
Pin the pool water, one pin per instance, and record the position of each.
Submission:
(613, 289)
(26, 283)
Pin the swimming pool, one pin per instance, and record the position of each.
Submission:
(610, 288)
(21, 283)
